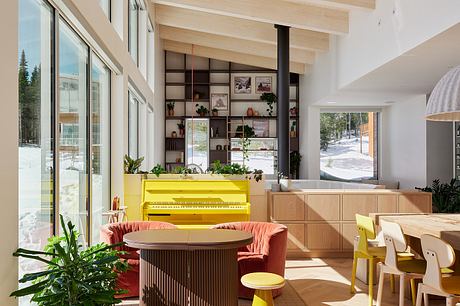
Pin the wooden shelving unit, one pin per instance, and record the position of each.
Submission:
(213, 76)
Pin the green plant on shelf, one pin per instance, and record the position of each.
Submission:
(234, 169)
(157, 170)
(131, 166)
(245, 132)
(170, 105)
(271, 99)
(73, 275)
(201, 110)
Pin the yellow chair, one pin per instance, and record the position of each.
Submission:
(263, 283)
(438, 254)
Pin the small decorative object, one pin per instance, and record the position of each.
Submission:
(173, 134)
(283, 182)
(196, 95)
(263, 84)
(219, 147)
(178, 160)
(293, 111)
(256, 114)
(225, 147)
(250, 112)
(276, 187)
(261, 128)
(201, 110)
(115, 203)
(271, 99)
(215, 112)
(170, 106)
(212, 132)
(219, 101)
(181, 127)
(217, 132)
(242, 85)
(293, 132)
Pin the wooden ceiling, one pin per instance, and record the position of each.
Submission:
(243, 31)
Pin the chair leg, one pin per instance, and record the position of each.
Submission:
(419, 296)
(450, 301)
(353, 274)
(413, 290)
(401, 289)
(426, 300)
(371, 281)
(392, 283)
(262, 298)
(380, 289)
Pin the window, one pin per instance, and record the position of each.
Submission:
(73, 138)
(348, 143)
(36, 154)
(197, 142)
(100, 142)
(105, 5)
(150, 137)
(150, 54)
(133, 30)
(133, 125)
(260, 154)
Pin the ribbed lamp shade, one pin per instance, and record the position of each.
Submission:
(444, 102)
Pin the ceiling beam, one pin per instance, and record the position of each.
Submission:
(296, 15)
(225, 55)
(237, 28)
(341, 4)
(232, 44)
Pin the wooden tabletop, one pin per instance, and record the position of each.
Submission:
(183, 239)
(444, 226)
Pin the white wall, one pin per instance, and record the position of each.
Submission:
(403, 143)
(439, 151)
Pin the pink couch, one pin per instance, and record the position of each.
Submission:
(267, 253)
(113, 233)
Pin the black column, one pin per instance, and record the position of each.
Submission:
(282, 84)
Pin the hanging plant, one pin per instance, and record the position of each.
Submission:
(245, 132)
(271, 99)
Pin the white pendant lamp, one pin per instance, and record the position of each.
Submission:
(444, 101)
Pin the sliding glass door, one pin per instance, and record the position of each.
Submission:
(72, 123)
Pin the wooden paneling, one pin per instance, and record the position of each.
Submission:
(358, 204)
(413, 203)
(296, 237)
(323, 207)
(259, 211)
(349, 233)
(387, 203)
(323, 236)
(289, 207)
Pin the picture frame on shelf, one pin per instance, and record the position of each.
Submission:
(263, 84)
(242, 85)
(261, 128)
(219, 101)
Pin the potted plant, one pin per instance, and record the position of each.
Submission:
(157, 170)
(201, 110)
(215, 112)
(170, 106)
(294, 163)
(271, 99)
(445, 196)
(181, 127)
(132, 165)
(293, 111)
(276, 187)
(73, 276)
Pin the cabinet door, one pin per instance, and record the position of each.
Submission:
(296, 237)
(290, 207)
(323, 207)
(387, 203)
(349, 232)
(323, 236)
(415, 203)
(353, 204)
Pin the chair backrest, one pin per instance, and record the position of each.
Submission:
(438, 254)
(394, 241)
(366, 231)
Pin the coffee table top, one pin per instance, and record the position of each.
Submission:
(187, 239)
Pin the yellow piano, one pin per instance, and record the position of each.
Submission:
(195, 203)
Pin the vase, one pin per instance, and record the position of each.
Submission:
(215, 113)
(174, 134)
(182, 132)
(250, 112)
(276, 187)
(285, 184)
(170, 112)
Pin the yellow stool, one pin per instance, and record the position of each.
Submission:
(263, 283)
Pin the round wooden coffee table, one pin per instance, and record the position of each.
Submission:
(188, 267)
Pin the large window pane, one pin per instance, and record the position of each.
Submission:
(35, 128)
(73, 65)
(133, 128)
(100, 176)
(261, 154)
(133, 29)
(348, 146)
(197, 137)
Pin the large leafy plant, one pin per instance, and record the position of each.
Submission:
(132, 165)
(445, 196)
(73, 276)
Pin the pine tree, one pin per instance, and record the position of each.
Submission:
(35, 104)
(23, 96)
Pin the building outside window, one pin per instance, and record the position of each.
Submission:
(348, 143)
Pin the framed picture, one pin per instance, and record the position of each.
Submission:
(242, 85)
(261, 128)
(219, 101)
(263, 84)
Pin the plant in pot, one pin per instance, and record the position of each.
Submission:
(276, 187)
(132, 165)
(271, 99)
(181, 127)
(170, 106)
(234, 169)
(445, 196)
(201, 110)
(215, 112)
(245, 132)
(73, 276)
(293, 111)
(294, 163)
(157, 170)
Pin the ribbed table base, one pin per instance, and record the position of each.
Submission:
(195, 278)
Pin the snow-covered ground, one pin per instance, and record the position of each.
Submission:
(344, 160)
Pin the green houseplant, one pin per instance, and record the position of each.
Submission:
(234, 169)
(294, 163)
(73, 276)
(201, 110)
(445, 196)
(170, 106)
(157, 170)
(132, 165)
(271, 99)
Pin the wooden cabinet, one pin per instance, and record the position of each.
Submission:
(349, 232)
(323, 236)
(323, 207)
(353, 204)
(414, 203)
(290, 207)
(387, 203)
(296, 237)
